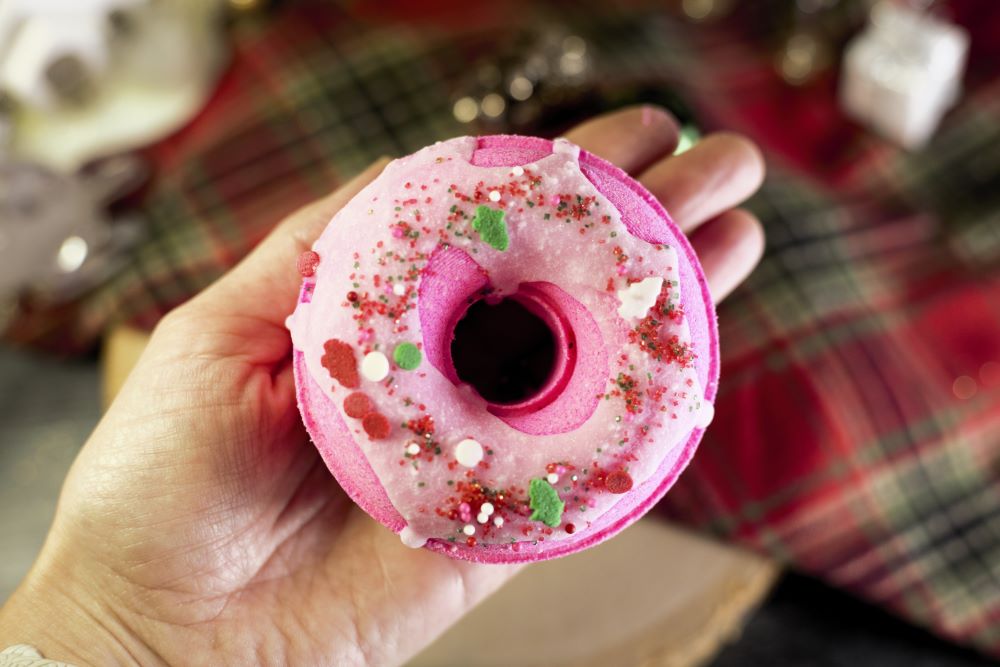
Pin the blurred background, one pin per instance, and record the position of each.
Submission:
(843, 509)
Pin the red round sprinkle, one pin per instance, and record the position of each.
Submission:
(352, 296)
(340, 362)
(357, 405)
(471, 541)
(307, 263)
(618, 482)
(570, 528)
(376, 426)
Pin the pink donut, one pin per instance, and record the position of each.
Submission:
(505, 350)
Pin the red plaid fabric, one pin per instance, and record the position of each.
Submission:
(857, 434)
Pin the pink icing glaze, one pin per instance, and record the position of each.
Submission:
(642, 216)
(453, 281)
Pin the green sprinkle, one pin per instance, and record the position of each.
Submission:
(491, 227)
(545, 503)
(407, 356)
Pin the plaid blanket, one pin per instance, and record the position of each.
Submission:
(858, 427)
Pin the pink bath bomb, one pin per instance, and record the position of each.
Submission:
(505, 349)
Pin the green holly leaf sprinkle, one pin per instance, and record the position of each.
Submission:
(407, 356)
(491, 227)
(545, 503)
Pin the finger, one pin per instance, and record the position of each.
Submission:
(728, 247)
(265, 285)
(720, 172)
(632, 138)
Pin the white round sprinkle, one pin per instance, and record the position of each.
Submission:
(517, 171)
(498, 521)
(469, 453)
(705, 415)
(486, 508)
(552, 478)
(574, 478)
(411, 538)
(375, 366)
(413, 449)
(469, 529)
(494, 195)
(482, 518)
(399, 289)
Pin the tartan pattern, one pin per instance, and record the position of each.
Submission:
(839, 446)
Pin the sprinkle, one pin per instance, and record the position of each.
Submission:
(618, 482)
(638, 298)
(375, 366)
(487, 508)
(545, 503)
(357, 405)
(552, 478)
(494, 195)
(498, 521)
(569, 528)
(399, 289)
(469, 453)
(469, 529)
(482, 518)
(412, 448)
(410, 538)
(339, 361)
(491, 227)
(307, 263)
(517, 171)
(407, 356)
(376, 426)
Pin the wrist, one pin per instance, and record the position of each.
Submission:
(70, 621)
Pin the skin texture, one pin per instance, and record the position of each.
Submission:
(199, 525)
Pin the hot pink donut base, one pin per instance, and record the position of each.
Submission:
(645, 218)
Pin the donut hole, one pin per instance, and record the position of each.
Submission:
(506, 352)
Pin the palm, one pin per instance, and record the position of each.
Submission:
(202, 499)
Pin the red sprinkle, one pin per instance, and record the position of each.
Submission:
(471, 541)
(340, 362)
(618, 481)
(570, 528)
(376, 426)
(357, 405)
(352, 296)
(307, 263)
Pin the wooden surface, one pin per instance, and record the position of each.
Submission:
(653, 596)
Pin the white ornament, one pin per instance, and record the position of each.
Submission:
(903, 72)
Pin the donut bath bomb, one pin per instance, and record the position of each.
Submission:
(504, 349)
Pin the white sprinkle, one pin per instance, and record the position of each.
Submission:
(638, 298)
(705, 415)
(486, 508)
(469, 453)
(494, 195)
(411, 539)
(517, 171)
(399, 289)
(469, 529)
(498, 521)
(552, 478)
(574, 478)
(375, 366)
(483, 518)
(413, 449)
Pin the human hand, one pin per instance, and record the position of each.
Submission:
(199, 525)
